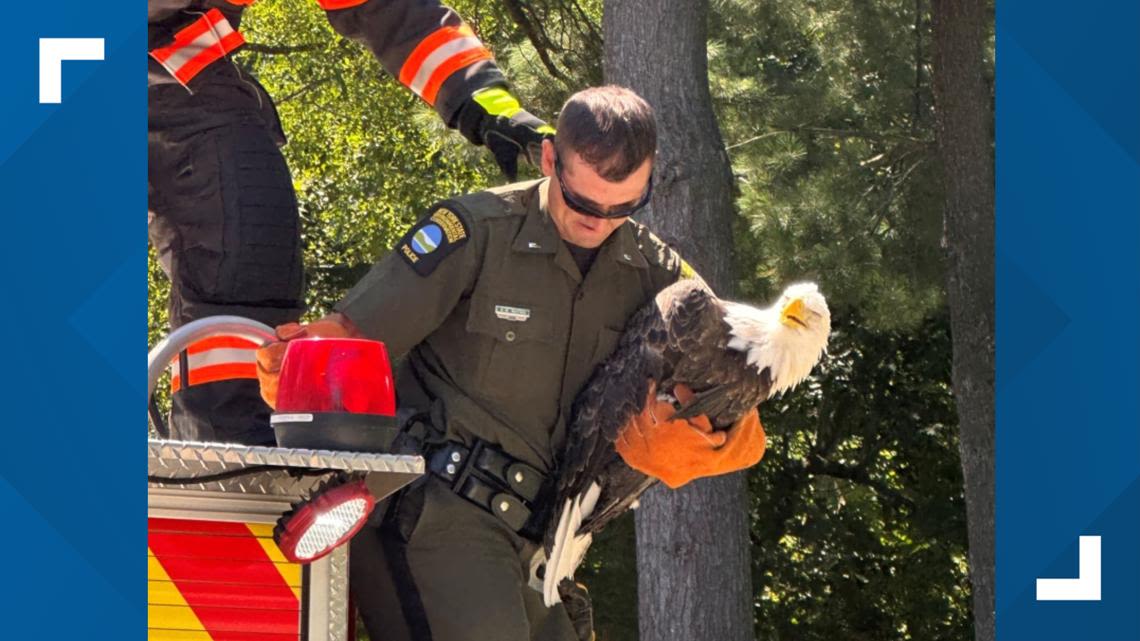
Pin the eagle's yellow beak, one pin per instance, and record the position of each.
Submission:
(793, 314)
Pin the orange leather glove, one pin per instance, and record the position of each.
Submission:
(270, 355)
(677, 451)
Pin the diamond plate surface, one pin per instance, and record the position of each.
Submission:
(187, 458)
(184, 460)
(338, 593)
(265, 483)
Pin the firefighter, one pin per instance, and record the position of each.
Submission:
(503, 302)
(222, 213)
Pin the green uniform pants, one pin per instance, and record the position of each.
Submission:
(440, 568)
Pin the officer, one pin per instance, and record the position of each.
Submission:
(222, 213)
(503, 302)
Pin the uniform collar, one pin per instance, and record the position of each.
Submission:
(622, 247)
(538, 235)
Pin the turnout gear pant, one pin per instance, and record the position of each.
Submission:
(441, 569)
(223, 220)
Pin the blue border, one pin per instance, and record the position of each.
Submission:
(1068, 284)
(1068, 314)
(74, 261)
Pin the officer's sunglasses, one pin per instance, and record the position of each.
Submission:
(584, 206)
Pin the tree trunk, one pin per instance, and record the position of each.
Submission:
(692, 544)
(965, 134)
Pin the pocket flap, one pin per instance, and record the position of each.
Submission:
(510, 321)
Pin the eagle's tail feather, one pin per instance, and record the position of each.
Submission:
(569, 547)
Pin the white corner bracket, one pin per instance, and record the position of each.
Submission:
(53, 51)
(1086, 587)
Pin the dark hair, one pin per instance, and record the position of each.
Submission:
(612, 128)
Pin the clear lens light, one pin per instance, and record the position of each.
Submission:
(330, 527)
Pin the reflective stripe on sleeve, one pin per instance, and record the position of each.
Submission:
(445, 51)
(333, 5)
(205, 40)
(217, 358)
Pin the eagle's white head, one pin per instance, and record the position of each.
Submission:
(788, 337)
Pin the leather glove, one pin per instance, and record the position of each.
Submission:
(270, 355)
(676, 451)
(493, 117)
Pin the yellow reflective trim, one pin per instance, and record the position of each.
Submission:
(497, 101)
(178, 635)
(154, 571)
(172, 617)
(546, 129)
(291, 572)
(264, 534)
(260, 530)
(164, 593)
(160, 591)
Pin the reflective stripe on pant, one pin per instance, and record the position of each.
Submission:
(443, 569)
(224, 223)
(215, 394)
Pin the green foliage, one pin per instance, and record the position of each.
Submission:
(859, 522)
(829, 123)
(858, 516)
(859, 519)
(158, 292)
(367, 158)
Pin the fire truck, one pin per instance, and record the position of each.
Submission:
(249, 543)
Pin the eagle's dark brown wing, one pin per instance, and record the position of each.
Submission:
(726, 387)
(614, 394)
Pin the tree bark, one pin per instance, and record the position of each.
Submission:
(693, 552)
(965, 134)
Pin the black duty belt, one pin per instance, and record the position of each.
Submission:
(493, 480)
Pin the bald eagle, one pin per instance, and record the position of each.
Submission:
(732, 356)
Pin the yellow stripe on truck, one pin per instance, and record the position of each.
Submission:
(172, 617)
(264, 534)
(290, 572)
(177, 635)
(160, 587)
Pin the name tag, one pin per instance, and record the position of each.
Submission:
(507, 312)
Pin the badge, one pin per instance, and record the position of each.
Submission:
(430, 241)
(506, 312)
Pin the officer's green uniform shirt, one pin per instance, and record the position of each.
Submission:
(499, 328)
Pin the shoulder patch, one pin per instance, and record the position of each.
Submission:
(429, 241)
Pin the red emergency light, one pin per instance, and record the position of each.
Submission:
(335, 394)
(330, 517)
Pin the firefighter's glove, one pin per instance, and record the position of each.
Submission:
(493, 117)
(270, 355)
(677, 451)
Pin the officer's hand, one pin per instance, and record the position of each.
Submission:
(270, 355)
(493, 117)
(677, 451)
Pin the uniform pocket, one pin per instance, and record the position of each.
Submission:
(523, 356)
(229, 199)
